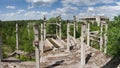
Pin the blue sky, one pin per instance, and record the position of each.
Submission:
(36, 9)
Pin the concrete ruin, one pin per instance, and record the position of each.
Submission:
(41, 42)
(103, 25)
(95, 19)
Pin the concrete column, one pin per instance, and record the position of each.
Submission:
(98, 20)
(101, 36)
(44, 31)
(0, 48)
(36, 44)
(42, 36)
(68, 36)
(17, 41)
(74, 26)
(105, 38)
(60, 27)
(88, 34)
(44, 27)
(82, 45)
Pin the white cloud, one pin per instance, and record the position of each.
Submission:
(109, 11)
(20, 11)
(10, 7)
(84, 2)
(23, 15)
(118, 3)
(41, 2)
(66, 12)
(30, 13)
(90, 9)
(30, 7)
(10, 14)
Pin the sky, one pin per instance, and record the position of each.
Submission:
(36, 9)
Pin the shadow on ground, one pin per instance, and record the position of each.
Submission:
(113, 63)
(11, 60)
(88, 58)
(57, 63)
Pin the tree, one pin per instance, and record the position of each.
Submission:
(114, 37)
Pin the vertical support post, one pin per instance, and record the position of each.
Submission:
(98, 20)
(17, 43)
(60, 27)
(42, 39)
(0, 49)
(44, 28)
(74, 26)
(88, 34)
(105, 38)
(101, 36)
(36, 44)
(82, 45)
(44, 33)
(68, 36)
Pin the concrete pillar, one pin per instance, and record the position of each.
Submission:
(36, 44)
(101, 36)
(88, 34)
(17, 41)
(44, 32)
(42, 40)
(98, 20)
(82, 45)
(0, 49)
(44, 27)
(60, 27)
(68, 36)
(105, 38)
(74, 26)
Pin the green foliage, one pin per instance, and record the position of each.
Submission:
(8, 33)
(25, 58)
(64, 28)
(94, 27)
(50, 28)
(114, 37)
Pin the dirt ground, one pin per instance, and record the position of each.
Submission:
(61, 59)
